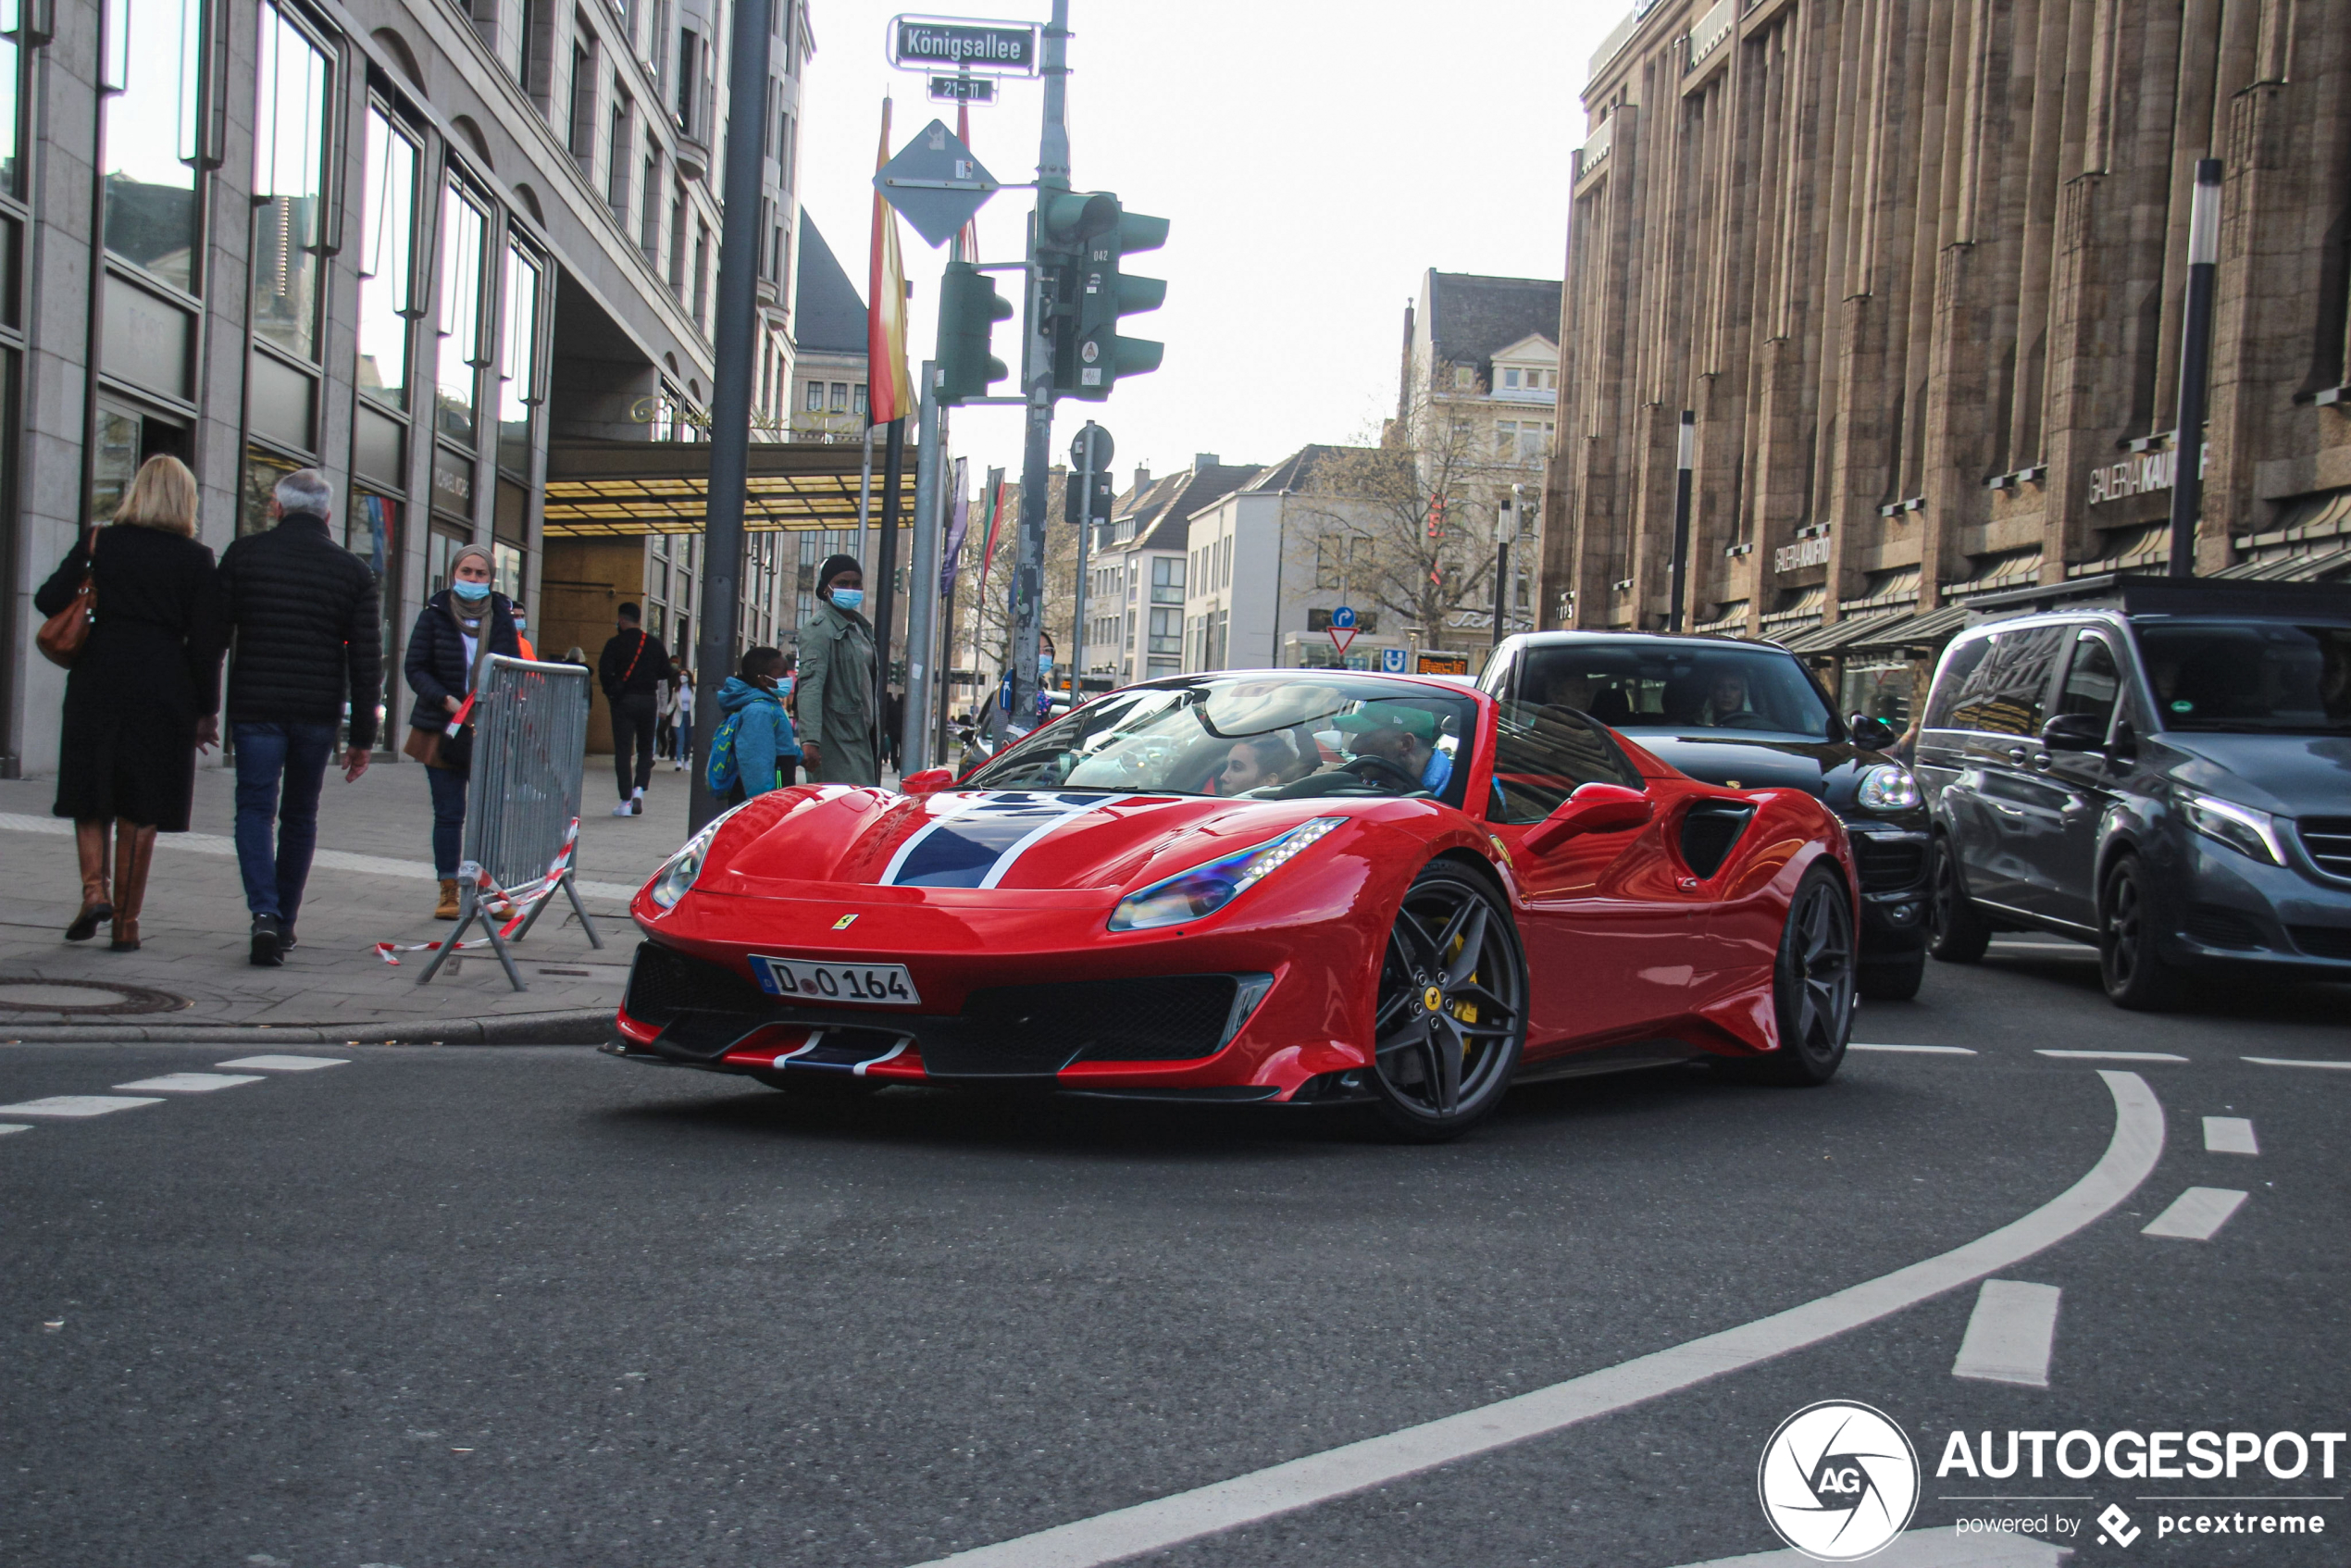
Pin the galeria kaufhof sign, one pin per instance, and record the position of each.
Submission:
(992, 48)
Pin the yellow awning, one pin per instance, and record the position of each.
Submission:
(616, 488)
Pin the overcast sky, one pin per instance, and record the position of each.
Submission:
(1313, 157)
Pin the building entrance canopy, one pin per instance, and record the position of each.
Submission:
(613, 489)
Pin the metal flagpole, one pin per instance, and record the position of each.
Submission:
(922, 584)
(2196, 364)
(866, 489)
(735, 337)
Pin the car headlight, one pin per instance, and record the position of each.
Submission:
(678, 873)
(1206, 888)
(1888, 787)
(2251, 833)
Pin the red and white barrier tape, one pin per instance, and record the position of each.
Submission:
(512, 906)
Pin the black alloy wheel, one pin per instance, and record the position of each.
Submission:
(1451, 1013)
(1957, 931)
(2133, 974)
(1812, 986)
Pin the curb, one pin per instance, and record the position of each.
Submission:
(578, 1025)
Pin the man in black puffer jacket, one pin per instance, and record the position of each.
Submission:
(307, 639)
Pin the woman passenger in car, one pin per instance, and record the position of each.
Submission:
(1254, 764)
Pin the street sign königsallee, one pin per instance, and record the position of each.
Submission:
(935, 183)
(962, 89)
(994, 48)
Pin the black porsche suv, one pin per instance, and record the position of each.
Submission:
(1750, 716)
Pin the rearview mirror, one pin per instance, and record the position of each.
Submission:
(1870, 734)
(929, 781)
(2074, 732)
(1595, 808)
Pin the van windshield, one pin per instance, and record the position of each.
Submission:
(1684, 687)
(2250, 675)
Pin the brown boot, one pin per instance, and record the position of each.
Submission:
(91, 843)
(135, 851)
(448, 908)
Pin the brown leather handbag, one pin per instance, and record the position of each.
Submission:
(62, 635)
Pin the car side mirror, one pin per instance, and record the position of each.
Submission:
(929, 781)
(2074, 732)
(2124, 747)
(1595, 808)
(1870, 734)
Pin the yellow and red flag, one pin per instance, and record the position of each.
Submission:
(891, 393)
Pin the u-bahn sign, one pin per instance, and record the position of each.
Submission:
(963, 44)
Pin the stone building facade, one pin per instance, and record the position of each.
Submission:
(1919, 268)
(414, 243)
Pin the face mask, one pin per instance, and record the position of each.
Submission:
(471, 592)
(849, 598)
(783, 687)
(1044, 667)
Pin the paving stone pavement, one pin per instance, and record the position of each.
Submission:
(373, 882)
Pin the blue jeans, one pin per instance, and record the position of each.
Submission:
(448, 819)
(266, 753)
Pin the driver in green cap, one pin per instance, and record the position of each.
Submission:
(1405, 736)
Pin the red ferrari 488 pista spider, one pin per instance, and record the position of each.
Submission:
(1293, 886)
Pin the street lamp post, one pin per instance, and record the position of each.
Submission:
(2196, 364)
(1685, 441)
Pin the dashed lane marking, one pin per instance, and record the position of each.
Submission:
(189, 1083)
(2112, 1055)
(2131, 1155)
(75, 1106)
(2296, 1062)
(2229, 1135)
(286, 1063)
(2196, 1214)
(1922, 1050)
(2010, 1334)
(7, 1128)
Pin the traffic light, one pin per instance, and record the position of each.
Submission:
(969, 308)
(1073, 507)
(1107, 292)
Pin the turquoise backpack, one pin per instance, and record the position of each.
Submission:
(722, 775)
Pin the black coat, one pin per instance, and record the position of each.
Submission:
(634, 664)
(305, 613)
(149, 671)
(436, 662)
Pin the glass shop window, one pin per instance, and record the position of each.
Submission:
(462, 226)
(153, 68)
(387, 264)
(289, 137)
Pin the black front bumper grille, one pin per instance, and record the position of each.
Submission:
(704, 1009)
(2216, 926)
(2323, 941)
(1889, 865)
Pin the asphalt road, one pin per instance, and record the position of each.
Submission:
(526, 1306)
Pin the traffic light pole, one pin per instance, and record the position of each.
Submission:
(921, 585)
(730, 393)
(1037, 383)
(1085, 553)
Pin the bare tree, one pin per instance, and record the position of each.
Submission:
(1408, 524)
(984, 610)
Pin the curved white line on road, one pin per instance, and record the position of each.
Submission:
(2130, 1156)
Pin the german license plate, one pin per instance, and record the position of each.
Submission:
(881, 985)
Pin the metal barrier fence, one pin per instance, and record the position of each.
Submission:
(522, 804)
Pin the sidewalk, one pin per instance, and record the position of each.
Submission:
(373, 881)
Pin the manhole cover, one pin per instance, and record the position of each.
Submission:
(23, 995)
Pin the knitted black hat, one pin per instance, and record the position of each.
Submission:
(834, 565)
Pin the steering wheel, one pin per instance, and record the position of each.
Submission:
(1745, 721)
(1369, 766)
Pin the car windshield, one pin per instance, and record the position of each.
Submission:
(1677, 686)
(1266, 735)
(2250, 675)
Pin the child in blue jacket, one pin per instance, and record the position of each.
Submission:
(767, 750)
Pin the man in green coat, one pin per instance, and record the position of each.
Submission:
(835, 687)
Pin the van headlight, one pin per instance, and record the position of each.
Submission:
(2251, 833)
(1207, 888)
(1887, 788)
(678, 873)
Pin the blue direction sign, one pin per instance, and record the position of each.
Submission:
(1343, 618)
(1392, 661)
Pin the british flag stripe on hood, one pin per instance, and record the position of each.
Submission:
(973, 841)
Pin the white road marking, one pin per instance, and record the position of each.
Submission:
(75, 1106)
(2112, 1055)
(1922, 1050)
(1938, 1546)
(2010, 1334)
(2296, 1062)
(2196, 1214)
(7, 1128)
(287, 1064)
(2130, 1157)
(2229, 1135)
(191, 1083)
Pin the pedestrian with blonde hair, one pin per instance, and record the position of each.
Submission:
(144, 696)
